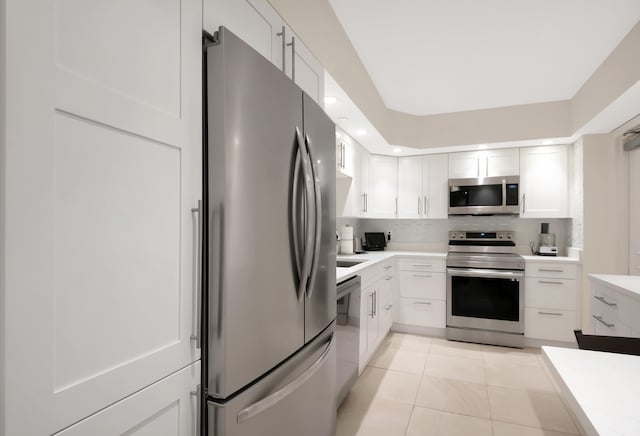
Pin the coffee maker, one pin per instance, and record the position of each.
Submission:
(547, 241)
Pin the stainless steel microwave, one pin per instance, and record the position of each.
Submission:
(484, 196)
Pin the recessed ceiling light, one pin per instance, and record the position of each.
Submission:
(397, 150)
(547, 142)
(330, 100)
(482, 147)
(361, 132)
(343, 118)
(338, 135)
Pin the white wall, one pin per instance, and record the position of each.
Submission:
(2, 212)
(605, 244)
(576, 194)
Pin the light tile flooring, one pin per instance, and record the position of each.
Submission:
(419, 386)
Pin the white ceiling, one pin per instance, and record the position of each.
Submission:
(439, 56)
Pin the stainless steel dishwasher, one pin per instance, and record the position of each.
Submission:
(347, 335)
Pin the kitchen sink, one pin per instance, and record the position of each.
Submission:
(348, 263)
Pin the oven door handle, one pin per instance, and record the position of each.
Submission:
(474, 272)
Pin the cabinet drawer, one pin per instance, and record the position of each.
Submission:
(421, 312)
(605, 323)
(617, 305)
(422, 264)
(550, 293)
(550, 324)
(551, 270)
(371, 274)
(415, 284)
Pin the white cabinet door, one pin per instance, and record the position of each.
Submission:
(166, 408)
(103, 170)
(435, 186)
(383, 186)
(502, 162)
(465, 165)
(634, 212)
(304, 68)
(254, 21)
(410, 187)
(543, 182)
(363, 193)
(371, 294)
(346, 157)
(385, 305)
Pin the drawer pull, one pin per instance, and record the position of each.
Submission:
(550, 313)
(421, 275)
(550, 270)
(601, 299)
(424, 303)
(388, 307)
(387, 267)
(599, 318)
(546, 282)
(422, 264)
(388, 277)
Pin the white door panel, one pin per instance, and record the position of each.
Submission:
(103, 153)
(410, 187)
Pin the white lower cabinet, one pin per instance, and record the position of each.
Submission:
(613, 313)
(376, 308)
(421, 292)
(421, 312)
(551, 301)
(166, 408)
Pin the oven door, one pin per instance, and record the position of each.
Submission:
(485, 299)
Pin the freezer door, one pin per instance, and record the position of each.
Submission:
(297, 399)
(320, 138)
(255, 310)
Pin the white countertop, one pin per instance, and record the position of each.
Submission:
(601, 388)
(551, 259)
(370, 258)
(629, 285)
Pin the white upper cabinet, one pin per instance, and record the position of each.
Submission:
(486, 163)
(254, 21)
(260, 26)
(346, 157)
(422, 186)
(410, 196)
(383, 186)
(544, 182)
(435, 186)
(101, 238)
(363, 183)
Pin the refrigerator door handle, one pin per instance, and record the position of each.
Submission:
(295, 212)
(309, 215)
(273, 399)
(318, 219)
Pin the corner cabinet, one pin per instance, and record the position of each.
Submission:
(260, 26)
(544, 182)
(100, 231)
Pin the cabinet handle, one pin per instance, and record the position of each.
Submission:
(284, 49)
(421, 275)
(396, 205)
(423, 303)
(523, 203)
(426, 205)
(364, 207)
(597, 297)
(419, 206)
(292, 44)
(387, 267)
(195, 335)
(550, 313)
(599, 318)
(388, 277)
(375, 303)
(388, 307)
(546, 282)
(550, 270)
(198, 396)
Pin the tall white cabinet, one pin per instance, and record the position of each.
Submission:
(101, 173)
(634, 212)
(260, 26)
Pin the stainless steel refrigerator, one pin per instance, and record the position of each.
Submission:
(269, 179)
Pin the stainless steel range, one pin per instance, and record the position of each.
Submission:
(485, 288)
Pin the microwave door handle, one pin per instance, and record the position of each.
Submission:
(504, 193)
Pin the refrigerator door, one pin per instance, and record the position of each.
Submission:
(255, 314)
(297, 399)
(320, 138)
